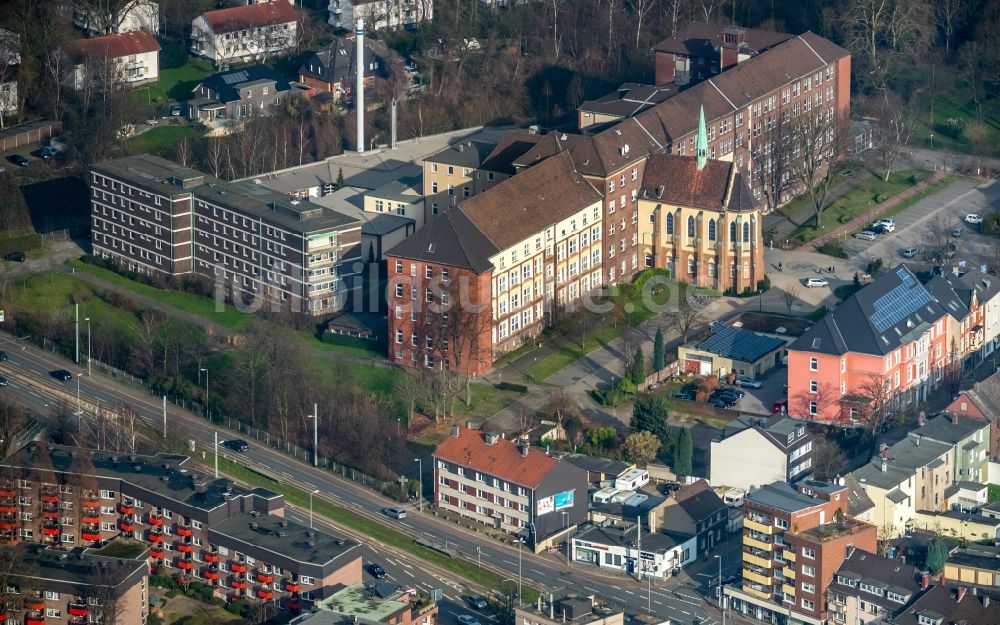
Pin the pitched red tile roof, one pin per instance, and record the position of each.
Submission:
(677, 180)
(249, 16)
(529, 202)
(502, 459)
(113, 46)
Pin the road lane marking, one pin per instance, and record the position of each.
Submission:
(629, 592)
(657, 602)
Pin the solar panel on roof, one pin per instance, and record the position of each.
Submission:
(739, 344)
(235, 77)
(904, 299)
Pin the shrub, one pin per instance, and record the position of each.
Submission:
(832, 248)
(874, 267)
(817, 314)
(953, 127)
(764, 285)
(23, 243)
(807, 235)
(349, 341)
(843, 219)
(880, 198)
(646, 274)
(510, 386)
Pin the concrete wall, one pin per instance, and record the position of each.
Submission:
(746, 460)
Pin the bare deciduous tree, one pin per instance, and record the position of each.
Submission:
(896, 122)
(882, 33)
(686, 317)
(821, 148)
(789, 297)
(880, 411)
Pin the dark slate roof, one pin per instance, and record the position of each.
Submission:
(889, 574)
(891, 311)
(949, 428)
(465, 153)
(226, 85)
(782, 496)
(956, 293)
(775, 428)
(858, 500)
(617, 537)
(703, 39)
(598, 465)
(986, 395)
(336, 62)
(629, 99)
(739, 344)
(448, 239)
(512, 146)
(943, 602)
(699, 501)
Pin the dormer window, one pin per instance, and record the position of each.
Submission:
(929, 619)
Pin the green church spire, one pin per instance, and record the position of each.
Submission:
(702, 139)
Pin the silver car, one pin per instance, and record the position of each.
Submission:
(867, 235)
(908, 252)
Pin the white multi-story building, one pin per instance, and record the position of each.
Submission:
(380, 14)
(245, 33)
(131, 58)
(116, 18)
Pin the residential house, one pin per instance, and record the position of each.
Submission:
(969, 438)
(794, 540)
(232, 539)
(238, 94)
(947, 605)
(508, 485)
(870, 590)
(702, 50)
(748, 354)
(971, 302)
(696, 510)
(610, 506)
(245, 33)
(698, 220)
(529, 246)
(130, 59)
(630, 549)
(333, 69)
(75, 584)
(886, 344)
(754, 451)
(983, 400)
(968, 526)
(397, 197)
(453, 173)
(966, 496)
(380, 15)
(154, 216)
(114, 18)
(803, 75)
(974, 565)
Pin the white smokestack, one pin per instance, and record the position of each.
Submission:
(359, 87)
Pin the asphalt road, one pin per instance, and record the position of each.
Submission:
(678, 599)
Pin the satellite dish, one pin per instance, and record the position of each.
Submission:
(841, 481)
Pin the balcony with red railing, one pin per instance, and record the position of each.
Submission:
(50, 531)
(8, 509)
(184, 565)
(78, 609)
(155, 520)
(265, 594)
(126, 525)
(238, 584)
(35, 603)
(90, 535)
(156, 537)
(126, 509)
(211, 556)
(50, 514)
(185, 547)
(90, 519)
(210, 574)
(7, 493)
(156, 552)
(184, 531)
(50, 499)
(91, 503)
(265, 578)
(292, 587)
(34, 620)
(292, 603)
(238, 567)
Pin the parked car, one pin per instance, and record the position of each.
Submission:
(46, 153)
(883, 228)
(394, 513)
(780, 406)
(476, 602)
(18, 160)
(3, 381)
(886, 221)
(3, 356)
(723, 403)
(375, 570)
(17, 257)
(908, 252)
(811, 282)
(61, 374)
(867, 235)
(748, 383)
(957, 232)
(973, 219)
(175, 110)
(238, 444)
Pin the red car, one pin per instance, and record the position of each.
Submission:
(780, 406)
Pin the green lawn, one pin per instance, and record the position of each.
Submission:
(378, 380)
(188, 302)
(857, 201)
(379, 532)
(160, 140)
(177, 83)
(50, 295)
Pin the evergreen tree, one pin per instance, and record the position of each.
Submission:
(649, 414)
(937, 554)
(659, 355)
(637, 372)
(683, 453)
(340, 178)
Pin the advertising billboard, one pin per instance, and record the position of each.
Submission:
(545, 505)
(564, 500)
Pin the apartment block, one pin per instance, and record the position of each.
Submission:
(887, 343)
(484, 277)
(701, 51)
(211, 530)
(239, 34)
(154, 216)
(973, 306)
(793, 541)
(78, 586)
(869, 589)
(508, 485)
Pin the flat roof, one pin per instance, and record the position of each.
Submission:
(626, 537)
(782, 496)
(284, 538)
(78, 566)
(359, 600)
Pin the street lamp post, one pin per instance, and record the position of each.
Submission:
(311, 507)
(420, 484)
(719, 558)
(205, 369)
(87, 319)
(566, 537)
(520, 541)
(315, 417)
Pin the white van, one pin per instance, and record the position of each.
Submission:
(734, 497)
(632, 480)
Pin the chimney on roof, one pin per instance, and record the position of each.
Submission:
(925, 580)
(921, 419)
(455, 431)
(468, 424)
(883, 451)
(884, 465)
(524, 446)
(960, 594)
(986, 601)
(492, 438)
(954, 418)
(916, 440)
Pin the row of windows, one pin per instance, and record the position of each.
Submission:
(126, 189)
(712, 234)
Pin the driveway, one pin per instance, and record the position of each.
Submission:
(760, 400)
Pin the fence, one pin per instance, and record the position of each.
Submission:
(672, 369)
(261, 436)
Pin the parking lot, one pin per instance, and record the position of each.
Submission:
(913, 227)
